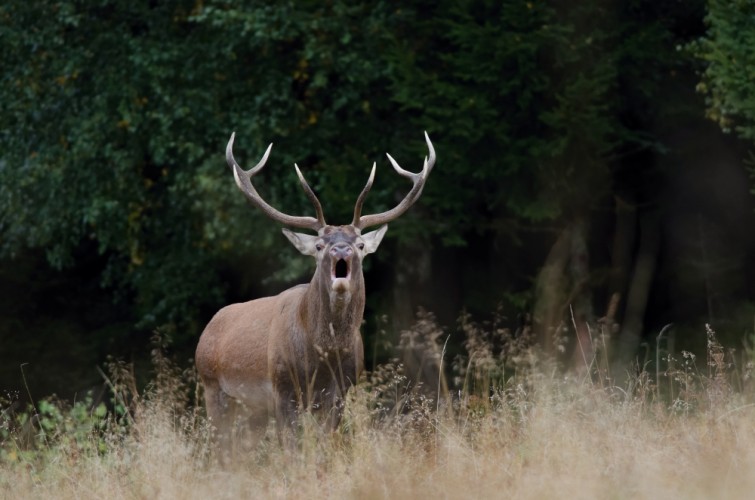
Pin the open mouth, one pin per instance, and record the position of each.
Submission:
(341, 269)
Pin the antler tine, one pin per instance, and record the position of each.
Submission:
(311, 196)
(362, 196)
(232, 161)
(412, 196)
(244, 182)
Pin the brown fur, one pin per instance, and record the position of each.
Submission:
(298, 351)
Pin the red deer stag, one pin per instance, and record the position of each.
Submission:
(300, 350)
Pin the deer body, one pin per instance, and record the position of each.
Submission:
(300, 350)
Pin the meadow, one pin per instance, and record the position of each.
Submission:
(506, 421)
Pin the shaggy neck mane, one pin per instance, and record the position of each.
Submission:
(332, 320)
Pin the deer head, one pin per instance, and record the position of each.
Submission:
(339, 250)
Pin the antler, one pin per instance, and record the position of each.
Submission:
(361, 222)
(244, 182)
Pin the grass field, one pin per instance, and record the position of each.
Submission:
(515, 426)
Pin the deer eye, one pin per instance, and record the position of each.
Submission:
(319, 247)
(360, 246)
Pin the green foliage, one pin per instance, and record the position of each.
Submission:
(116, 114)
(728, 52)
(82, 427)
(115, 121)
(536, 103)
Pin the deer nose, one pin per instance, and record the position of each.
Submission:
(341, 251)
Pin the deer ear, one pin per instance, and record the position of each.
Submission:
(305, 243)
(373, 239)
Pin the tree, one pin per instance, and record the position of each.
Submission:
(549, 120)
(728, 52)
(116, 117)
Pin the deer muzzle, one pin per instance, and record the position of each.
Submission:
(341, 257)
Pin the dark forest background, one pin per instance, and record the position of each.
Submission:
(587, 150)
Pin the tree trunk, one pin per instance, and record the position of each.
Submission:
(624, 237)
(563, 298)
(415, 332)
(639, 292)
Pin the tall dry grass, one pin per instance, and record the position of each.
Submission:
(512, 425)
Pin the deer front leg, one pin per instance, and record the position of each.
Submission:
(333, 404)
(344, 377)
(286, 419)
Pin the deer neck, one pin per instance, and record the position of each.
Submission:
(333, 317)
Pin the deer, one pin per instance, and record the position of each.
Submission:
(301, 350)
